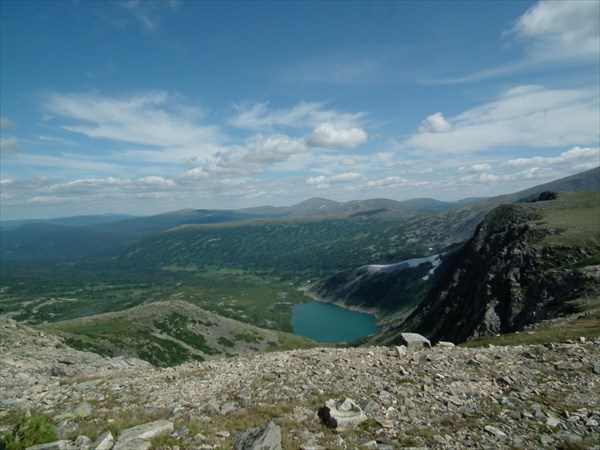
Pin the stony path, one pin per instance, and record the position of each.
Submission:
(446, 398)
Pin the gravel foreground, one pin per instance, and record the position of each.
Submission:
(522, 397)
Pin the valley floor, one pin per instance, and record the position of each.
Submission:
(540, 396)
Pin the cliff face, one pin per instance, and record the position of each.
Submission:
(382, 289)
(523, 265)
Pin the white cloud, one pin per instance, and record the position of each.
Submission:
(346, 177)
(328, 136)
(8, 145)
(553, 34)
(303, 115)
(561, 29)
(154, 119)
(588, 156)
(320, 180)
(259, 153)
(436, 123)
(348, 162)
(475, 168)
(387, 182)
(530, 116)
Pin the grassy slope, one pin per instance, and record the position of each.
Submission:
(170, 333)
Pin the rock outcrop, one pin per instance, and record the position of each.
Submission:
(522, 266)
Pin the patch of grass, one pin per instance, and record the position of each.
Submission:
(588, 327)
(225, 342)
(28, 431)
(252, 337)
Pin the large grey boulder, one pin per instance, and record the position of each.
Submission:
(414, 340)
(267, 437)
(139, 437)
(104, 442)
(341, 415)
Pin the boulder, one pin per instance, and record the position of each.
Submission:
(341, 415)
(267, 437)
(414, 340)
(134, 438)
(104, 442)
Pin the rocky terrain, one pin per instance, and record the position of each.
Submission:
(446, 397)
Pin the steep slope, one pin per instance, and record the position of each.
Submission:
(381, 289)
(526, 263)
(169, 333)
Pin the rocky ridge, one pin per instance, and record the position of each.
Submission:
(543, 396)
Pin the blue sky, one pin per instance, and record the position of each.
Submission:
(145, 107)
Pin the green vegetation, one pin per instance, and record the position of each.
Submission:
(28, 431)
(560, 330)
(60, 292)
(294, 251)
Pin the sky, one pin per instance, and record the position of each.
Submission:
(143, 107)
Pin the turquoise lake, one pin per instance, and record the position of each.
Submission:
(324, 322)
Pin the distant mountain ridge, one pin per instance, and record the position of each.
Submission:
(99, 236)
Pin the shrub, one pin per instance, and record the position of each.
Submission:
(28, 431)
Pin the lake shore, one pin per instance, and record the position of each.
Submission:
(372, 311)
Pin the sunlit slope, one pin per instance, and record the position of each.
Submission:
(169, 333)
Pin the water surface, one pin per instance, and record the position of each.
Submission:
(324, 322)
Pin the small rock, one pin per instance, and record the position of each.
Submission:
(200, 438)
(83, 442)
(495, 431)
(84, 409)
(401, 351)
(223, 434)
(552, 422)
(445, 344)
(226, 408)
(370, 406)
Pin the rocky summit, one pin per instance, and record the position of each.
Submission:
(445, 397)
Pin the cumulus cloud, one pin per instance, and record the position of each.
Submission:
(320, 180)
(260, 153)
(436, 123)
(564, 29)
(328, 136)
(531, 116)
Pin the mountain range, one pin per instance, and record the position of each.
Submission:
(451, 271)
